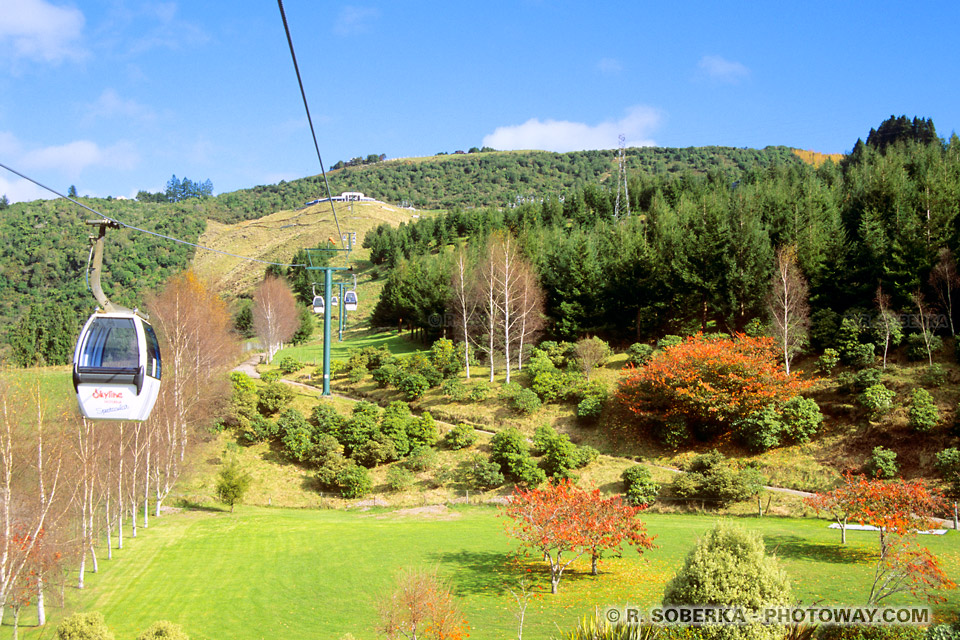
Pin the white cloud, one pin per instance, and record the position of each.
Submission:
(355, 20)
(562, 135)
(722, 70)
(72, 158)
(111, 106)
(609, 66)
(39, 30)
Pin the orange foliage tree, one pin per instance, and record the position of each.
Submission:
(421, 606)
(562, 522)
(898, 509)
(709, 381)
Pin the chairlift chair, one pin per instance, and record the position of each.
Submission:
(350, 297)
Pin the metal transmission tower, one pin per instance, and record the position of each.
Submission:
(622, 178)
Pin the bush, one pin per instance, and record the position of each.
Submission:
(478, 473)
(164, 630)
(592, 353)
(802, 419)
(593, 399)
(421, 459)
(296, 434)
(375, 452)
(934, 375)
(638, 353)
(729, 567)
(414, 385)
(917, 348)
(399, 478)
(289, 364)
(760, 430)
(422, 431)
(877, 399)
(668, 341)
(454, 389)
(638, 486)
(559, 454)
(356, 374)
(866, 378)
(446, 358)
(353, 481)
(828, 361)
(386, 375)
(274, 397)
(861, 355)
(526, 402)
(882, 464)
(331, 463)
(924, 415)
(480, 391)
(327, 419)
(84, 626)
(711, 478)
(584, 455)
(948, 466)
(673, 433)
(259, 429)
(461, 436)
(243, 400)
(509, 451)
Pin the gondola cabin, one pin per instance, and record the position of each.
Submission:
(116, 367)
(318, 304)
(350, 300)
(334, 301)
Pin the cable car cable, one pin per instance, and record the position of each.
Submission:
(316, 146)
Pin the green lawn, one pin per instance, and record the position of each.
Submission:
(305, 573)
(312, 352)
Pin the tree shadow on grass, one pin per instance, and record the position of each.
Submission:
(490, 572)
(798, 548)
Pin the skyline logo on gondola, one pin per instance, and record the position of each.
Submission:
(109, 394)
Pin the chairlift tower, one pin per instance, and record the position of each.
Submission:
(315, 259)
(622, 178)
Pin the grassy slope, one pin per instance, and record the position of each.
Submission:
(263, 573)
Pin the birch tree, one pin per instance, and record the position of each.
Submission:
(888, 323)
(275, 316)
(788, 305)
(944, 279)
(463, 302)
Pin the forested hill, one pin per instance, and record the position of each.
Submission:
(496, 178)
(45, 246)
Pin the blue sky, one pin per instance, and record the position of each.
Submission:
(116, 96)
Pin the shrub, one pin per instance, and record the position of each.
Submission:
(593, 399)
(386, 375)
(480, 391)
(232, 483)
(760, 430)
(669, 341)
(461, 436)
(559, 454)
(269, 376)
(948, 466)
(802, 419)
(243, 400)
(399, 478)
(828, 361)
(877, 399)
(934, 375)
(710, 477)
(924, 415)
(375, 452)
(454, 389)
(592, 353)
(421, 459)
(356, 374)
(866, 378)
(526, 402)
(638, 353)
(259, 429)
(917, 347)
(296, 434)
(729, 567)
(274, 397)
(414, 385)
(847, 382)
(289, 364)
(509, 450)
(861, 355)
(327, 419)
(638, 486)
(673, 433)
(882, 464)
(743, 374)
(353, 481)
(446, 358)
(478, 473)
(331, 463)
(422, 431)
(164, 630)
(84, 626)
(584, 455)
(395, 426)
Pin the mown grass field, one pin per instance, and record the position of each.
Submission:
(308, 573)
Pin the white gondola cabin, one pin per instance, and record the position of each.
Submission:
(350, 300)
(318, 304)
(334, 301)
(116, 367)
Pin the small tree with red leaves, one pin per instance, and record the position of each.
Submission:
(421, 606)
(562, 522)
(906, 567)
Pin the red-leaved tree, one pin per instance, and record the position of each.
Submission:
(562, 522)
(709, 381)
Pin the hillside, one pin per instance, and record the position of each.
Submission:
(277, 237)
